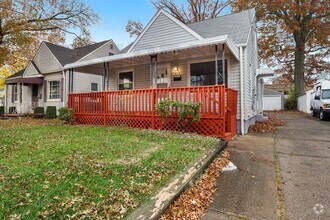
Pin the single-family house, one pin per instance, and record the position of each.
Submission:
(190, 57)
(42, 83)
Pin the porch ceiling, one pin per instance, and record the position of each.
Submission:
(187, 50)
(162, 57)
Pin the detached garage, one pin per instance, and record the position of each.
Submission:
(272, 100)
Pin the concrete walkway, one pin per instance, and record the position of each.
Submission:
(281, 175)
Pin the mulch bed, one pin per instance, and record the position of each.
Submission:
(194, 202)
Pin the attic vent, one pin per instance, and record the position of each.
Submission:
(111, 47)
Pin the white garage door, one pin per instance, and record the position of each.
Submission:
(272, 103)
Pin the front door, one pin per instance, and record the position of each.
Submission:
(163, 76)
(35, 93)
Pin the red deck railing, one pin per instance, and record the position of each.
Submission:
(135, 108)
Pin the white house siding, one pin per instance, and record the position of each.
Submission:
(163, 32)
(250, 77)
(101, 52)
(82, 82)
(31, 70)
(45, 60)
(234, 80)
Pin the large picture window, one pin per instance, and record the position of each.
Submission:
(203, 74)
(125, 80)
(54, 90)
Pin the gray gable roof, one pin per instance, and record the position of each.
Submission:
(236, 25)
(66, 55)
(17, 74)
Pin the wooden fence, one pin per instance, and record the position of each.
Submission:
(135, 108)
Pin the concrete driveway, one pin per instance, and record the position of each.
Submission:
(281, 175)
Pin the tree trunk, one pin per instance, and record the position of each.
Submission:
(299, 59)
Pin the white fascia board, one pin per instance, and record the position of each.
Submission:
(187, 45)
(34, 76)
(264, 72)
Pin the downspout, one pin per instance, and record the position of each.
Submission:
(242, 87)
(64, 88)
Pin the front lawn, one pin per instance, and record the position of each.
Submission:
(55, 171)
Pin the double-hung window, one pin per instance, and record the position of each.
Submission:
(15, 90)
(54, 90)
(125, 80)
(94, 87)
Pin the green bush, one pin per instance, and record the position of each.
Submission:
(189, 111)
(12, 109)
(2, 110)
(51, 112)
(65, 114)
(39, 110)
(291, 102)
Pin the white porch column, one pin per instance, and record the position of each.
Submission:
(153, 71)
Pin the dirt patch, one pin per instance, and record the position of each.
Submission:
(266, 126)
(193, 202)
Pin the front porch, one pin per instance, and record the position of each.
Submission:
(135, 108)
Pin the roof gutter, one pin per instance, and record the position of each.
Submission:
(187, 45)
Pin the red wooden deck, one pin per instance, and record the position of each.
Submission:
(135, 108)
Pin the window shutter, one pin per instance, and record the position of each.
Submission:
(45, 90)
(12, 93)
(62, 90)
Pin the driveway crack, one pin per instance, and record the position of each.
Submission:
(279, 185)
(302, 155)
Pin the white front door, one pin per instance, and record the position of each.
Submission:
(164, 76)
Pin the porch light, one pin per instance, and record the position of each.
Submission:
(176, 68)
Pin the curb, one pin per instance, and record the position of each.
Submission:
(169, 193)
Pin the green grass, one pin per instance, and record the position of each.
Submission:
(55, 171)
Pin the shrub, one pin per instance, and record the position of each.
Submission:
(2, 110)
(12, 109)
(39, 110)
(51, 112)
(186, 112)
(65, 114)
(291, 102)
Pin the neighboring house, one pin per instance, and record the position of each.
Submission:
(169, 53)
(44, 83)
(273, 100)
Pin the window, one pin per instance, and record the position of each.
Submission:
(202, 74)
(94, 87)
(54, 90)
(326, 94)
(15, 93)
(125, 81)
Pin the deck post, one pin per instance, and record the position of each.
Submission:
(216, 65)
(153, 102)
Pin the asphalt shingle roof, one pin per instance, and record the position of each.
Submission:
(17, 74)
(66, 55)
(236, 25)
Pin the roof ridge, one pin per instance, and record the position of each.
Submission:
(105, 41)
(46, 42)
(226, 15)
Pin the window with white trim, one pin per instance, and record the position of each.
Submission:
(94, 87)
(54, 90)
(15, 93)
(125, 81)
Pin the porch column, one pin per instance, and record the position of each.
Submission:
(216, 65)
(223, 65)
(70, 80)
(105, 76)
(153, 71)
